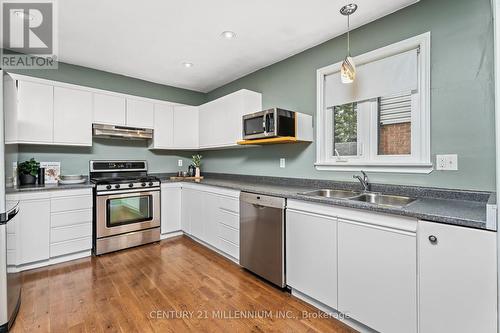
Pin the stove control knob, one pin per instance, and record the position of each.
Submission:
(117, 186)
(143, 184)
(108, 187)
(150, 184)
(130, 185)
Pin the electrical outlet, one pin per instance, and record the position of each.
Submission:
(447, 162)
(282, 162)
(179, 163)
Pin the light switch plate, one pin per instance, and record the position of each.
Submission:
(282, 162)
(447, 162)
(179, 163)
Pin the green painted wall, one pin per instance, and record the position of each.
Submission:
(462, 110)
(76, 159)
(462, 100)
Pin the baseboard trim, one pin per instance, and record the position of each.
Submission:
(333, 313)
(171, 235)
(236, 261)
(53, 261)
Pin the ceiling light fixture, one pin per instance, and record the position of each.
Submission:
(228, 34)
(188, 64)
(348, 68)
(22, 15)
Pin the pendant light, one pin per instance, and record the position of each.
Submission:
(348, 68)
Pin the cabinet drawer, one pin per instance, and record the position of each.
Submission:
(229, 234)
(70, 218)
(229, 248)
(228, 218)
(72, 232)
(231, 205)
(71, 203)
(69, 247)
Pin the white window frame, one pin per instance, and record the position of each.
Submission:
(420, 159)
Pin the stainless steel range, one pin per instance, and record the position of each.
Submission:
(126, 205)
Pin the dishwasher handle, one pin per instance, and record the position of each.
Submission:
(262, 201)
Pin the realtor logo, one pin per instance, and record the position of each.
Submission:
(28, 35)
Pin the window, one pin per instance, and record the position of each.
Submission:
(381, 121)
(394, 125)
(345, 124)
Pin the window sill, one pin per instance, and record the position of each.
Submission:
(423, 168)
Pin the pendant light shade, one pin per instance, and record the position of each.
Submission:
(348, 67)
(348, 70)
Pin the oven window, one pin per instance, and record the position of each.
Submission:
(129, 210)
(254, 126)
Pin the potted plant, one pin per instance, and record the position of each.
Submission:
(27, 172)
(197, 164)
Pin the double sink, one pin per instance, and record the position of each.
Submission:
(368, 197)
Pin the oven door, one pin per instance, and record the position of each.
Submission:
(120, 213)
(254, 125)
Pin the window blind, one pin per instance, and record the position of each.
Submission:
(395, 109)
(385, 77)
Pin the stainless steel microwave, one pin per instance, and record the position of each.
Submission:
(269, 123)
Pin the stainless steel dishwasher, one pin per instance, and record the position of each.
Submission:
(262, 236)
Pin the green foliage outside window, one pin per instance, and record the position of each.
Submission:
(345, 121)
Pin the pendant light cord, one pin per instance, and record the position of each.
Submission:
(348, 37)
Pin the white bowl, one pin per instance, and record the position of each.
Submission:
(71, 177)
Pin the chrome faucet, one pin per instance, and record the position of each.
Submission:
(363, 180)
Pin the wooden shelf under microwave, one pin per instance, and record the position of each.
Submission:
(270, 141)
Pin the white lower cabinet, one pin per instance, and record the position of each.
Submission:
(193, 217)
(32, 228)
(211, 215)
(70, 222)
(377, 276)
(356, 262)
(170, 208)
(311, 255)
(458, 272)
(52, 226)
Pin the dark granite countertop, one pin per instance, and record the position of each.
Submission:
(456, 207)
(47, 187)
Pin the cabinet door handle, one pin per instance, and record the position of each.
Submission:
(433, 239)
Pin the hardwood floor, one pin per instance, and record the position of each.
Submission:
(174, 286)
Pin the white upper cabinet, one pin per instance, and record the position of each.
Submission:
(221, 119)
(72, 116)
(140, 113)
(35, 114)
(10, 109)
(109, 109)
(39, 111)
(458, 279)
(186, 127)
(163, 132)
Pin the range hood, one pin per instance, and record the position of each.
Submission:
(116, 132)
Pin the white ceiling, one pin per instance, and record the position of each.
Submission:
(150, 39)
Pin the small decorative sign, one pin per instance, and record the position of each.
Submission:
(52, 171)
